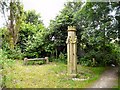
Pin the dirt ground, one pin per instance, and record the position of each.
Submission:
(108, 79)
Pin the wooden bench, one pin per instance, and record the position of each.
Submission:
(36, 59)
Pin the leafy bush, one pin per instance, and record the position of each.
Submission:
(4, 61)
(14, 54)
(89, 59)
(62, 58)
(111, 55)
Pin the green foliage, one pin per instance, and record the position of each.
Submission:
(87, 60)
(94, 28)
(111, 55)
(59, 26)
(31, 39)
(32, 17)
(4, 60)
(33, 36)
(35, 44)
(14, 54)
(13, 15)
(95, 32)
(5, 64)
(62, 58)
(10, 53)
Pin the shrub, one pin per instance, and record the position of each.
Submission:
(62, 58)
(111, 55)
(13, 54)
(89, 59)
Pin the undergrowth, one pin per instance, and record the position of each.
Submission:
(5, 67)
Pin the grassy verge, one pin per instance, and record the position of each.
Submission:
(51, 75)
(5, 66)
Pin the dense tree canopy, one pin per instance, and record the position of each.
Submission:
(96, 29)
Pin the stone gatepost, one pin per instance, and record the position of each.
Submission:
(71, 51)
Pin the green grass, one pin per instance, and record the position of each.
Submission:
(116, 86)
(51, 75)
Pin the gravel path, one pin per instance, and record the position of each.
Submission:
(108, 79)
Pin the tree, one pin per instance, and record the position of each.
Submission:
(59, 26)
(14, 9)
(32, 34)
(32, 17)
(99, 30)
(95, 29)
(117, 17)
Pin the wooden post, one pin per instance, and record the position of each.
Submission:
(72, 51)
(47, 61)
(25, 61)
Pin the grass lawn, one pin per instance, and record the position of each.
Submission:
(52, 75)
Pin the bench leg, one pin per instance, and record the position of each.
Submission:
(25, 61)
(47, 61)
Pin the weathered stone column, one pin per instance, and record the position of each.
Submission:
(72, 51)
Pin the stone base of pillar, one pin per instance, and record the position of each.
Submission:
(72, 75)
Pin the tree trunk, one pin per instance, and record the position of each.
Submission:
(11, 27)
